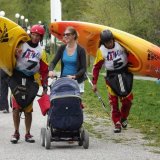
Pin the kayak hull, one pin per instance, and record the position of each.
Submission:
(143, 55)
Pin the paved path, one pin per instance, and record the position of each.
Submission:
(127, 145)
(145, 78)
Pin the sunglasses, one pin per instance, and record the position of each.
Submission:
(67, 34)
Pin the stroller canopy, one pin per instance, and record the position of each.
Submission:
(64, 87)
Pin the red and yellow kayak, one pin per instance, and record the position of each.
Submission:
(10, 36)
(143, 55)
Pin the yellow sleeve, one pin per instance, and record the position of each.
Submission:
(44, 57)
(99, 57)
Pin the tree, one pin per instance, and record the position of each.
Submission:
(36, 11)
(28, 8)
(72, 10)
(137, 17)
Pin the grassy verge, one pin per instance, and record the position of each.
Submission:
(145, 111)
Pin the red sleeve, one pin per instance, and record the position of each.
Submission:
(43, 72)
(95, 71)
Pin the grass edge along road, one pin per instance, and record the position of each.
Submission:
(145, 111)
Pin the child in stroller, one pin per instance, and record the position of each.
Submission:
(65, 116)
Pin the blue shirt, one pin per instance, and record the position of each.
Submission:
(70, 63)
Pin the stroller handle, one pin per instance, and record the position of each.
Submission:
(45, 87)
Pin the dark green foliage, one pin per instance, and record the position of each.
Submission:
(32, 9)
(137, 17)
(72, 9)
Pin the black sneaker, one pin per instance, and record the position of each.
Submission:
(124, 122)
(117, 128)
(15, 138)
(29, 138)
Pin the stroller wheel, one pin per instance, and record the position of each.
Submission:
(85, 139)
(48, 139)
(80, 143)
(42, 136)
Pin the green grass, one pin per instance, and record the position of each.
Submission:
(145, 111)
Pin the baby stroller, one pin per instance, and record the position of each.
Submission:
(65, 116)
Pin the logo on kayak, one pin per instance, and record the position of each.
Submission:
(152, 68)
(152, 56)
(4, 34)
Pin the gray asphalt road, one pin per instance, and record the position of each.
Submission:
(106, 149)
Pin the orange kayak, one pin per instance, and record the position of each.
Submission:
(144, 56)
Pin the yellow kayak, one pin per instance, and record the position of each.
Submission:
(11, 34)
(144, 56)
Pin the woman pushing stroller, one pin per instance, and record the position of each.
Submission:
(73, 58)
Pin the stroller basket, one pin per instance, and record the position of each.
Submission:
(65, 113)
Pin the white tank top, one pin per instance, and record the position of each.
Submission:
(28, 61)
(115, 58)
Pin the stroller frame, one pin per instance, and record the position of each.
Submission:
(54, 134)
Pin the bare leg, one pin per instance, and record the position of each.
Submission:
(16, 120)
(28, 122)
